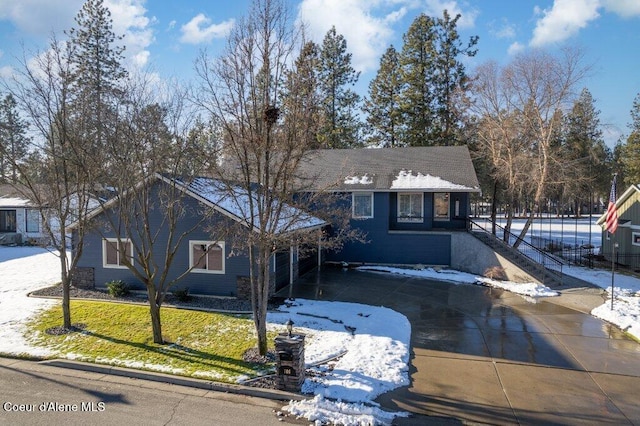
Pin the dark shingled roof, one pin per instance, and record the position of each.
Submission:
(330, 168)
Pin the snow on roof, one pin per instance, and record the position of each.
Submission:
(376, 169)
(407, 180)
(236, 202)
(358, 180)
(14, 202)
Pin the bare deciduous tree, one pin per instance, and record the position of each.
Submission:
(520, 110)
(60, 184)
(265, 144)
(146, 217)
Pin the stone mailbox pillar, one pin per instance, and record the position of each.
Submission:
(290, 361)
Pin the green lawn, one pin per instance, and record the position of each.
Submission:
(201, 344)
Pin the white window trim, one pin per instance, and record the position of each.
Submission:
(28, 212)
(443, 218)
(409, 219)
(353, 205)
(104, 252)
(207, 271)
(633, 238)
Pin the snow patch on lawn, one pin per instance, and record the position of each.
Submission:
(22, 270)
(372, 348)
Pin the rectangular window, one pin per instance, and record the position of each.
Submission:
(362, 203)
(441, 205)
(207, 257)
(635, 238)
(115, 253)
(7, 221)
(410, 207)
(33, 220)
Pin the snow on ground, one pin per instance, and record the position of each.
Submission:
(626, 302)
(567, 231)
(525, 289)
(22, 270)
(372, 346)
(576, 232)
(371, 361)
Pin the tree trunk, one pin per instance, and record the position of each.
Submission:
(494, 207)
(525, 229)
(263, 301)
(154, 310)
(66, 296)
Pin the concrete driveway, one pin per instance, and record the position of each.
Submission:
(481, 355)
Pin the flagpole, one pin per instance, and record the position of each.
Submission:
(611, 224)
(613, 268)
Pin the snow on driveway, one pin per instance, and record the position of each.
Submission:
(22, 270)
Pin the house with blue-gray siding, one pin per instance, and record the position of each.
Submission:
(205, 258)
(409, 201)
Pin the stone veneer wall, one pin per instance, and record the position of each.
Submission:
(83, 278)
(244, 287)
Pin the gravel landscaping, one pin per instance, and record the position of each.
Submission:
(205, 303)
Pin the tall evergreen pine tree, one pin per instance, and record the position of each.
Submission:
(383, 105)
(435, 82)
(97, 76)
(13, 140)
(340, 127)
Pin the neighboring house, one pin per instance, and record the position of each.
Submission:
(20, 220)
(409, 201)
(627, 236)
(214, 269)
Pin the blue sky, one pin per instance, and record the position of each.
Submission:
(166, 36)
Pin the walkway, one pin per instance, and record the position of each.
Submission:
(490, 356)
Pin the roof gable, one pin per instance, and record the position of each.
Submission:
(235, 203)
(11, 195)
(428, 169)
(631, 193)
(232, 202)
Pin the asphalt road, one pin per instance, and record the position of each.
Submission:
(36, 394)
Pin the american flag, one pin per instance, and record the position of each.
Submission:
(611, 223)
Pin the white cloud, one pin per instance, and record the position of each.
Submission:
(6, 72)
(367, 35)
(201, 30)
(502, 29)
(40, 17)
(467, 17)
(508, 31)
(515, 48)
(368, 25)
(129, 18)
(564, 19)
(624, 8)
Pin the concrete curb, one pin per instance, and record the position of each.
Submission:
(273, 394)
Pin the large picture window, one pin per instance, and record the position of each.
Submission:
(410, 207)
(441, 205)
(115, 253)
(362, 203)
(33, 220)
(7, 221)
(207, 257)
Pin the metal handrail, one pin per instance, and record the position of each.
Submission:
(530, 251)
